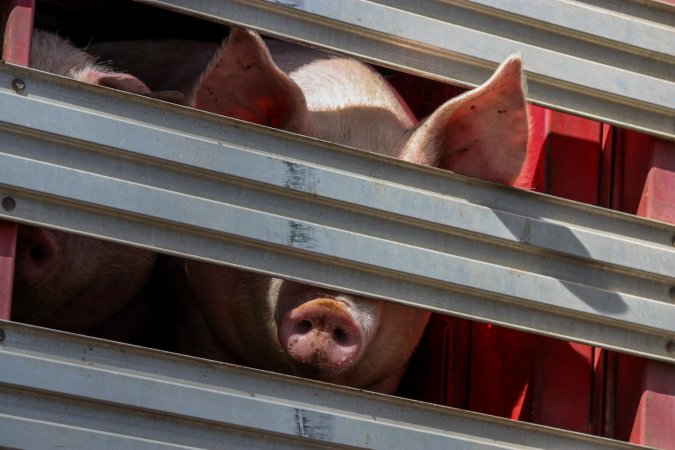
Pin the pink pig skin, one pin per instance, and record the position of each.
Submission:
(289, 327)
(71, 282)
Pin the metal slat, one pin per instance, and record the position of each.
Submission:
(16, 44)
(58, 389)
(184, 182)
(579, 58)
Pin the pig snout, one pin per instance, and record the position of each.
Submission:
(37, 255)
(322, 337)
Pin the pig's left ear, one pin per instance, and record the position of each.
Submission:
(482, 133)
(121, 81)
(242, 81)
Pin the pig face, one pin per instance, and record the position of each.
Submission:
(72, 282)
(303, 330)
(66, 281)
(343, 338)
(293, 328)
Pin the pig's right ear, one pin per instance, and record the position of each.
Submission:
(483, 133)
(242, 81)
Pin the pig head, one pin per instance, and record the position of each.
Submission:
(482, 133)
(310, 331)
(72, 282)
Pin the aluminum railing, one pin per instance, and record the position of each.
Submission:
(186, 182)
(60, 390)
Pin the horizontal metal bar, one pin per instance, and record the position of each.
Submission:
(617, 24)
(58, 389)
(583, 59)
(185, 182)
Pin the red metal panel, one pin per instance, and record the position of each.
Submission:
(7, 253)
(537, 143)
(18, 30)
(571, 156)
(645, 402)
(645, 389)
(529, 377)
(18, 27)
(658, 196)
(628, 398)
(631, 166)
(563, 386)
(502, 369)
(439, 371)
(533, 378)
(608, 169)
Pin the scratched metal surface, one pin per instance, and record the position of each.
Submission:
(60, 390)
(134, 170)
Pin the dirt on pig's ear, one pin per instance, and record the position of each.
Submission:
(242, 81)
(482, 133)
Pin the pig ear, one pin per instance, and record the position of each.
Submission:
(121, 81)
(482, 133)
(243, 82)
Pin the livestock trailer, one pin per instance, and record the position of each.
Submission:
(553, 303)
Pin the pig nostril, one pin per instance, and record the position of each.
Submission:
(303, 327)
(340, 336)
(37, 253)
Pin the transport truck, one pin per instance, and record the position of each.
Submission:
(561, 336)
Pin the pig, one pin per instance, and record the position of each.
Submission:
(54, 54)
(70, 282)
(287, 326)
